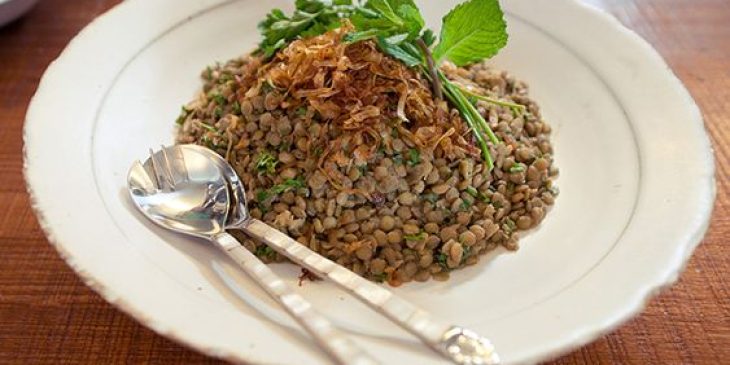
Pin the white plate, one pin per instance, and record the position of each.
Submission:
(636, 181)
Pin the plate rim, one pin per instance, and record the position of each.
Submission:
(578, 339)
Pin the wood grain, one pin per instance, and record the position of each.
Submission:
(47, 315)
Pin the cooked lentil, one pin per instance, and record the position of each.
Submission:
(347, 151)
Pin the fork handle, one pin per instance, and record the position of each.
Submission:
(331, 340)
(460, 345)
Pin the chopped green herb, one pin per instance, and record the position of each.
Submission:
(466, 204)
(264, 195)
(208, 73)
(183, 115)
(397, 159)
(218, 112)
(510, 225)
(414, 157)
(442, 259)
(471, 191)
(205, 126)
(285, 146)
(318, 151)
(209, 142)
(497, 205)
(363, 169)
(236, 108)
(420, 236)
(517, 167)
(225, 77)
(219, 99)
(266, 163)
(430, 197)
(301, 111)
(380, 277)
(267, 86)
(265, 252)
(467, 252)
(475, 193)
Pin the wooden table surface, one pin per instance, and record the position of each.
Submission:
(48, 316)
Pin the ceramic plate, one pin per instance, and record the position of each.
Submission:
(636, 187)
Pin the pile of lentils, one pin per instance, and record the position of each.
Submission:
(421, 213)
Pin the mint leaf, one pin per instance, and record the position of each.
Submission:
(471, 32)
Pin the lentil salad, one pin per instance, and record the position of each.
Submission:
(347, 150)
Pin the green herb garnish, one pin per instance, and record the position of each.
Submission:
(473, 31)
(475, 193)
(218, 112)
(236, 108)
(311, 18)
(265, 252)
(430, 197)
(219, 99)
(397, 159)
(414, 157)
(466, 254)
(205, 126)
(183, 115)
(420, 236)
(380, 277)
(517, 168)
(225, 77)
(263, 195)
(510, 225)
(266, 163)
(441, 259)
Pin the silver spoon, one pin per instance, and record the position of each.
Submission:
(458, 344)
(182, 189)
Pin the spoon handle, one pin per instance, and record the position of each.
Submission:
(455, 343)
(330, 339)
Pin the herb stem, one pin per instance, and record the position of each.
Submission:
(494, 101)
(458, 99)
(436, 83)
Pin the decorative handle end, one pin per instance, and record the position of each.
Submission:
(468, 348)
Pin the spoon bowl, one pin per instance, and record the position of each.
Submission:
(190, 197)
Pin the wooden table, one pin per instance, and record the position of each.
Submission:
(48, 316)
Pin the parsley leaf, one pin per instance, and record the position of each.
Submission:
(414, 157)
(388, 18)
(420, 236)
(311, 18)
(471, 32)
(266, 163)
(263, 195)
